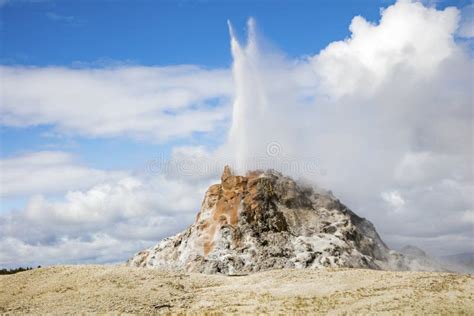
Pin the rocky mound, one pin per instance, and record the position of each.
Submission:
(264, 221)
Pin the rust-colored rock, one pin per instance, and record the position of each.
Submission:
(265, 220)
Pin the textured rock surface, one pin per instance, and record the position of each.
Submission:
(264, 221)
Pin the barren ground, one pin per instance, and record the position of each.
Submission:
(120, 289)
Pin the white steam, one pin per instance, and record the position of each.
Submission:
(366, 110)
(263, 125)
(383, 118)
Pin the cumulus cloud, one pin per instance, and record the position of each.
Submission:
(105, 223)
(466, 27)
(155, 103)
(394, 198)
(98, 249)
(399, 43)
(386, 113)
(48, 172)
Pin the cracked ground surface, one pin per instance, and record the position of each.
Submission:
(120, 289)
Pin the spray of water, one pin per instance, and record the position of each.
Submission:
(262, 125)
(385, 113)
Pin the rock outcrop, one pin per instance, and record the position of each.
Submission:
(264, 221)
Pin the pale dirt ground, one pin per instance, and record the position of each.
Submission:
(120, 289)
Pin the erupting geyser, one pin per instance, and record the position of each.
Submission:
(261, 98)
(265, 220)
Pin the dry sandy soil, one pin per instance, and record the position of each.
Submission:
(119, 289)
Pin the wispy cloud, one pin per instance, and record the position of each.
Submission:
(48, 172)
(5, 2)
(388, 113)
(152, 103)
(61, 18)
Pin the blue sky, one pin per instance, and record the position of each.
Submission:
(166, 32)
(106, 33)
(96, 34)
(147, 32)
(92, 91)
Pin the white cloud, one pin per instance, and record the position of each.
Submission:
(386, 113)
(468, 216)
(47, 172)
(5, 2)
(61, 18)
(64, 19)
(393, 198)
(400, 42)
(107, 222)
(426, 167)
(466, 27)
(156, 103)
(99, 249)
